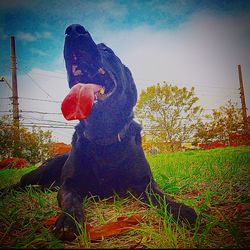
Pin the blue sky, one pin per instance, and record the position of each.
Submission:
(187, 43)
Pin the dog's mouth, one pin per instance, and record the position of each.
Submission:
(90, 84)
(83, 69)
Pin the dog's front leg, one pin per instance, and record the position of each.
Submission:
(71, 204)
(153, 195)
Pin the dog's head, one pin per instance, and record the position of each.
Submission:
(88, 62)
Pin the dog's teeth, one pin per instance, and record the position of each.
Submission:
(102, 90)
(101, 71)
(96, 98)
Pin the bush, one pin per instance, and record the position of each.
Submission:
(13, 162)
(21, 143)
(59, 148)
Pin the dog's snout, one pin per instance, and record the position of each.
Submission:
(75, 29)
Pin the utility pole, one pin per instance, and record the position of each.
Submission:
(16, 142)
(14, 82)
(242, 97)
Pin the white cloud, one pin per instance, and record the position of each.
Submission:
(43, 35)
(38, 52)
(27, 37)
(52, 82)
(43, 91)
(203, 52)
(40, 91)
(30, 37)
(114, 9)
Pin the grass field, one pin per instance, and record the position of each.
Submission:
(214, 182)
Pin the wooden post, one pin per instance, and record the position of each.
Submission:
(16, 141)
(14, 82)
(242, 97)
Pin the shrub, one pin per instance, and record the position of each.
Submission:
(59, 148)
(22, 143)
(13, 162)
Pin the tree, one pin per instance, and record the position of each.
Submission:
(19, 142)
(168, 114)
(221, 124)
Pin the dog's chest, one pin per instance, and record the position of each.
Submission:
(109, 165)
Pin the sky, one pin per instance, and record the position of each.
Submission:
(187, 43)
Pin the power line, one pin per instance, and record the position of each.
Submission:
(69, 136)
(139, 79)
(39, 86)
(30, 125)
(59, 113)
(49, 123)
(44, 100)
(36, 99)
(5, 98)
(41, 112)
(46, 120)
(199, 91)
(54, 76)
(178, 84)
(194, 85)
(205, 94)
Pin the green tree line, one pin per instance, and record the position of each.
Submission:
(170, 116)
(34, 145)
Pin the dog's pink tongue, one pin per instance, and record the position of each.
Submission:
(78, 103)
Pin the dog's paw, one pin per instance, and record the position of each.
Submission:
(182, 212)
(65, 227)
(188, 214)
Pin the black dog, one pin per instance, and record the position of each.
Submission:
(106, 156)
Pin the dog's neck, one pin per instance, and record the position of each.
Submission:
(115, 137)
(118, 137)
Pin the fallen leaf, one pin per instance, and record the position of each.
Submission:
(123, 224)
(50, 221)
(218, 215)
(202, 201)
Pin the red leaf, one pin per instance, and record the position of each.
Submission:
(123, 224)
(50, 221)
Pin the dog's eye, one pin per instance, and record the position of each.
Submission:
(107, 50)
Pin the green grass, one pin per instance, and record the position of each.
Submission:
(12, 176)
(214, 182)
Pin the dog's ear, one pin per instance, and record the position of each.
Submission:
(131, 90)
(135, 130)
(138, 139)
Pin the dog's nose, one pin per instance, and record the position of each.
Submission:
(75, 29)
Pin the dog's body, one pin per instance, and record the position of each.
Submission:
(106, 156)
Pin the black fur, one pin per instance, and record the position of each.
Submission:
(106, 155)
